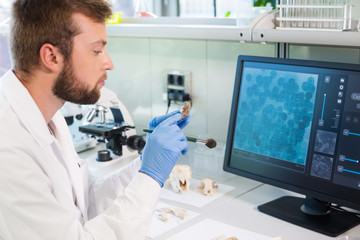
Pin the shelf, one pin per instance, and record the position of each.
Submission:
(311, 37)
(262, 30)
(180, 31)
(181, 28)
(340, 6)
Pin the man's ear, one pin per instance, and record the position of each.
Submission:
(51, 58)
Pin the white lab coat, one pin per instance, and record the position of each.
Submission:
(45, 191)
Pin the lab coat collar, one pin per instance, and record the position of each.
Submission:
(25, 107)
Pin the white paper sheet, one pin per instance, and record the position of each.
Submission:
(209, 229)
(194, 197)
(159, 227)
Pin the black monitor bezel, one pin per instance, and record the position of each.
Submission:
(294, 187)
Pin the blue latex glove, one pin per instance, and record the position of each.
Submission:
(163, 148)
(181, 123)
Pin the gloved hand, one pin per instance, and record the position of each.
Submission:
(163, 148)
(181, 123)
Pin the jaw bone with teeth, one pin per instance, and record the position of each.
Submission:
(179, 178)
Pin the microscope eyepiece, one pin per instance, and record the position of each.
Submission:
(91, 114)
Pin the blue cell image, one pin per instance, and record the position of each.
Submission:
(275, 113)
(321, 166)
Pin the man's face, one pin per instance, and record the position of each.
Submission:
(84, 74)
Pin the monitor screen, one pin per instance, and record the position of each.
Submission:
(295, 124)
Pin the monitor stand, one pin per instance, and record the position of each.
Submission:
(291, 209)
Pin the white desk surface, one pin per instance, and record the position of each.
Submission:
(241, 211)
(237, 207)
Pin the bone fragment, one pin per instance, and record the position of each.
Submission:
(179, 212)
(223, 237)
(185, 110)
(208, 186)
(163, 217)
(179, 178)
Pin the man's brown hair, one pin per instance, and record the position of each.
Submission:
(36, 22)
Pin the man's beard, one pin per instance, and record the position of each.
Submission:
(69, 88)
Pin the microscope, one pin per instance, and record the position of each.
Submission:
(108, 121)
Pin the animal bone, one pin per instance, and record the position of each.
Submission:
(185, 110)
(179, 178)
(223, 237)
(176, 211)
(163, 217)
(208, 186)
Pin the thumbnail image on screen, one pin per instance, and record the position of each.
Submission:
(275, 113)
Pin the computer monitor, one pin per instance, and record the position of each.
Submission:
(295, 124)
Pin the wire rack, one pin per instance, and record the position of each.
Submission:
(315, 14)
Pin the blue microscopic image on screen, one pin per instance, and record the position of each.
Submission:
(275, 113)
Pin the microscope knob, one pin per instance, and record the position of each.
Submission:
(136, 142)
(79, 116)
(103, 156)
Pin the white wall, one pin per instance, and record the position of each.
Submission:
(140, 64)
